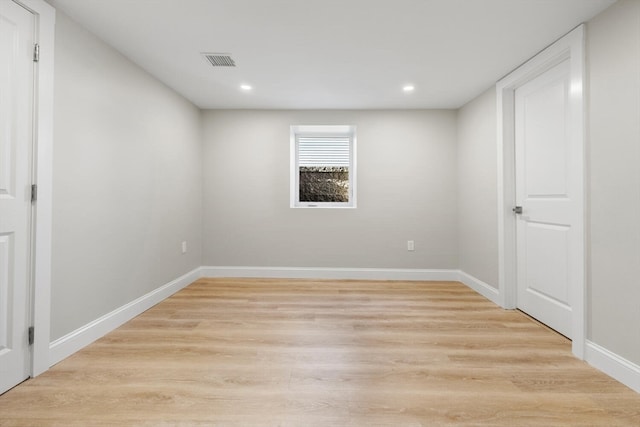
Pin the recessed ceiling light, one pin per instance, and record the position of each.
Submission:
(245, 87)
(408, 88)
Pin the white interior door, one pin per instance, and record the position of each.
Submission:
(546, 235)
(16, 145)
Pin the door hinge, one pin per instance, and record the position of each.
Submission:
(34, 192)
(36, 52)
(31, 334)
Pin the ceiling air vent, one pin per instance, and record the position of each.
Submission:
(219, 59)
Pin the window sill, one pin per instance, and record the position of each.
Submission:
(322, 207)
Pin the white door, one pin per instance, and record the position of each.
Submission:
(16, 145)
(546, 235)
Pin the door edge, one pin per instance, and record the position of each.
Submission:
(45, 16)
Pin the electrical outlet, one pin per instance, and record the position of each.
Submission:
(184, 247)
(410, 245)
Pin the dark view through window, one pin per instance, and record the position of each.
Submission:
(324, 184)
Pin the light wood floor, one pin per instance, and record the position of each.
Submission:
(248, 352)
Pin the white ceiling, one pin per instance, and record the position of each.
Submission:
(338, 54)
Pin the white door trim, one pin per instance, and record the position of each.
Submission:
(43, 168)
(569, 47)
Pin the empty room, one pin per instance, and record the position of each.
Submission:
(319, 212)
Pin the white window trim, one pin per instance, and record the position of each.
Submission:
(322, 130)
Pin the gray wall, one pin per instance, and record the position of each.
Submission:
(613, 57)
(477, 189)
(406, 177)
(127, 181)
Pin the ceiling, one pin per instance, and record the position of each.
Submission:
(338, 54)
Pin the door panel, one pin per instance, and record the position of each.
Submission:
(545, 156)
(6, 252)
(16, 142)
(544, 230)
(547, 272)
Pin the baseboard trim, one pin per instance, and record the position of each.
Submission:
(332, 273)
(67, 345)
(484, 289)
(617, 367)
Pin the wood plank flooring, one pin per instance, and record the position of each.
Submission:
(267, 352)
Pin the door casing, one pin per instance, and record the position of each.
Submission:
(570, 47)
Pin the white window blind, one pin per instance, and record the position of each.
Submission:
(323, 151)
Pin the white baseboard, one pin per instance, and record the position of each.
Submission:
(628, 373)
(332, 273)
(67, 345)
(484, 289)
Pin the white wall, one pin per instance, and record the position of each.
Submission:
(406, 190)
(127, 181)
(477, 189)
(613, 59)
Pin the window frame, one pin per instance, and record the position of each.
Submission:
(327, 131)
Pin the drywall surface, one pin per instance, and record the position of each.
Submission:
(406, 185)
(127, 181)
(477, 189)
(613, 58)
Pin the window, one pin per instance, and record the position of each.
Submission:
(323, 168)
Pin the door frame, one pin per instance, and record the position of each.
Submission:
(40, 310)
(570, 47)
